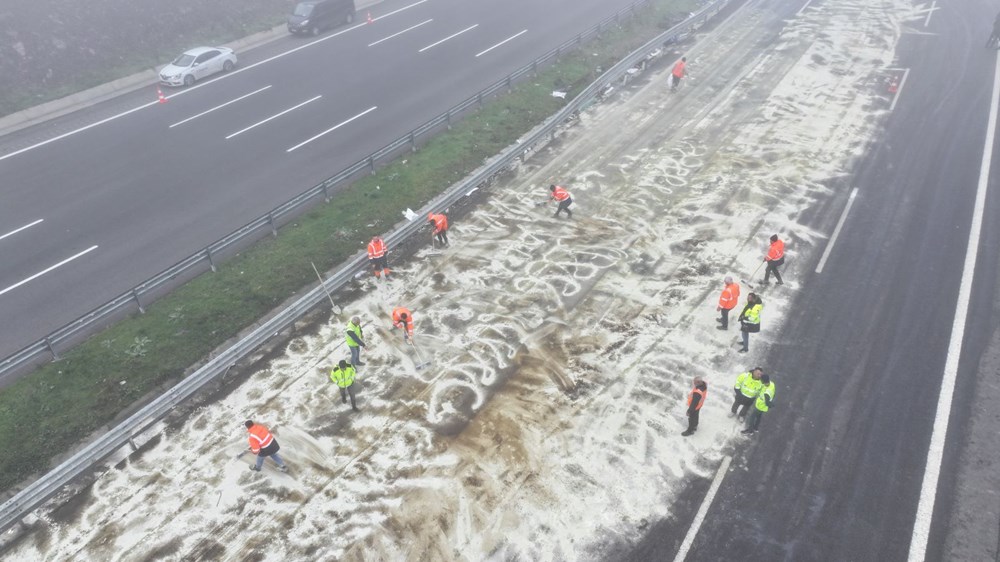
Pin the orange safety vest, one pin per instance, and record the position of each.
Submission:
(776, 251)
(560, 194)
(260, 437)
(398, 322)
(730, 296)
(679, 69)
(440, 222)
(699, 392)
(376, 248)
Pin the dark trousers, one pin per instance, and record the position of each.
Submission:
(564, 206)
(741, 403)
(344, 392)
(355, 354)
(692, 421)
(676, 80)
(746, 340)
(753, 420)
(772, 267)
(378, 264)
(725, 318)
(442, 237)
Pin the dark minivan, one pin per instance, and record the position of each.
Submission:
(313, 16)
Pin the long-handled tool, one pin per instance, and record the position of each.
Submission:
(329, 296)
(752, 275)
(422, 364)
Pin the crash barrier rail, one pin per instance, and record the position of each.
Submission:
(124, 433)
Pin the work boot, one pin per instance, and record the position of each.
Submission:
(780, 283)
(254, 468)
(355, 408)
(688, 432)
(747, 432)
(743, 350)
(721, 328)
(283, 468)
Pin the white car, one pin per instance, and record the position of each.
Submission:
(196, 64)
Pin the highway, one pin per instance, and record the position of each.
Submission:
(838, 469)
(100, 200)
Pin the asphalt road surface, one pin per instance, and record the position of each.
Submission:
(88, 215)
(837, 470)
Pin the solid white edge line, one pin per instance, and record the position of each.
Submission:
(203, 113)
(334, 128)
(899, 90)
(43, 272)
(16, 230)
(699, 518)
(930, 12)
(803, 8)
(397, 34)
(935, 452)
(275, 116)
(213, 80)
(836, 231)
(511, 38)
(452, 36)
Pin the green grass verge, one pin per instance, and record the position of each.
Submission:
(46, 413)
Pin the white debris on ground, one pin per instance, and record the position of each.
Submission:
(548, 422)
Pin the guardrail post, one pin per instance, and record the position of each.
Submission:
(558, 53)
(413, 142)
(447, 119)
(135, 295)
(579, 39)
(534, 67)
(52, 349)
(270, 220)
(371, 164)
(510, 84)
(479, 99)
(211, 262)
(132, 444)
(326, 193)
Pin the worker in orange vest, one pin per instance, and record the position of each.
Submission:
(377, 256)
(560, 195)
(403, 318)
(263, 444)
(775, 257)
(440, 224)
(696, 399)
(677, 73)
(727, 301)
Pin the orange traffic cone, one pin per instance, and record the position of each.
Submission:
(894, 85)
(159, 92)
(370, 20)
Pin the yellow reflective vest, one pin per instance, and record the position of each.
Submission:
(352, 327)
(343, 377)
(769, 392)
(747, 385)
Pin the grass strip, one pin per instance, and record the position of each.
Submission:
(46, 413)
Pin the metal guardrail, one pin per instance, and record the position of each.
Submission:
(45, 487)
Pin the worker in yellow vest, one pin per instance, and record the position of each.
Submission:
(763, 403)
(343, 375)
(355, 340)
(745, 390)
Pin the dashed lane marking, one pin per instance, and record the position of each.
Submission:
(836, 231)
(699, 518)
(16, 230)
(46, 270)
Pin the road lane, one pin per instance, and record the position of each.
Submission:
(150, 195)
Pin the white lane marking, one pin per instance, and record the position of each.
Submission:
(43, 272)
(803, 8)
(899, 90)
(275, 116)
(935, 452)
(511, 38)
(202, 84)
(930, 12)
(16, 230)
(702, 511)
(412, 27)
(452, 36)
(334, 128)
(219, 107)
(836, 231)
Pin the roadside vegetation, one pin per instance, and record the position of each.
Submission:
(48, 412)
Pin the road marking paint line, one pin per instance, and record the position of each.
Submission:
(899, 90)
(930, 12)
(43, 272)
(275, 116)
(334, 128)
(935, 452)
(836, 231)
(397, 34)
(452, 36)
(511, 38)
(219, 106)
(703, 510)
(803, 8)
(206, 83)
(16, 230)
